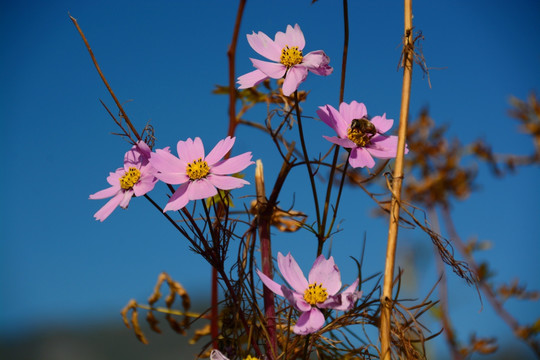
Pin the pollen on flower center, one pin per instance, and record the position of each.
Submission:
(249, 357)
(198, 169)
(358, 137)
(130, 178)
(315, 294)
(291, 56)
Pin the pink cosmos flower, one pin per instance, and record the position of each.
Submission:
(217, 355)
(289, 62)
(135, 178)
(364, 137)
(319, 293)
(199, 175)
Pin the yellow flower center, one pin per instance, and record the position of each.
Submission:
(358, 137)
(249, 357)
(291, 56)
(197, 169)
(315, 294)
(130, 178)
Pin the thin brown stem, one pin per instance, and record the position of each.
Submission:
(519, 330)
(386, 300)
(322, 236)
(443, 291)
(120, 108)
(231, 54)
(306, 159)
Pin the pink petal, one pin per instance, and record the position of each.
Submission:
(226, 182)
(297, 300)
(179, 199)
(291, 272)
(251, 79)
(273, 70)
(233, 165)
(295, 75)
(201, 189)
(265, 46)
(271, 284)
(219, 151)
(114, 177)
(190, 150)
(382, 123)
(109, 207)
(346, 300)
(144, 185)
(172, 178)
(309, 322)
(326, 273)
(355, 110)
(324, 115)
(128, 194)
(171, 169)
(346, 143)
(361, 158)
(317, 63)
(342, 124)
(291, 37)
(216, 355)
(144, 149)
(106, 193)
(383, 147)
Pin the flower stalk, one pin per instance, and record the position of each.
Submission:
(265, 216)
(386, 300)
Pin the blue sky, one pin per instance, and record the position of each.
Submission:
(58, 264)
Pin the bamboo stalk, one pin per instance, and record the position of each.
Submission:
(386, 300)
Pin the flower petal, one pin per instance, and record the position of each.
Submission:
(354, 110)
(216, 355)
(179, 199)
(324, 115)
(317, 62)
(172, 178)
(265, 46)
(361, 158)
(309, 322)
(128, 194)
(220, 150)
(346, 143)
(190, 150)
(226, 182)
(291, 37)
(296, 299)
(232, 165)
(348, 297)
(341, 123)
(382, 123)
(109, 207)
(114, 177)
(251, 79)
(201, 189)
(270, 69)
(170, 169)
(383, 147)
(271, 284)
(291, 272)
(295, 75)
(106, 193)
(144, 185)
(326, 273)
